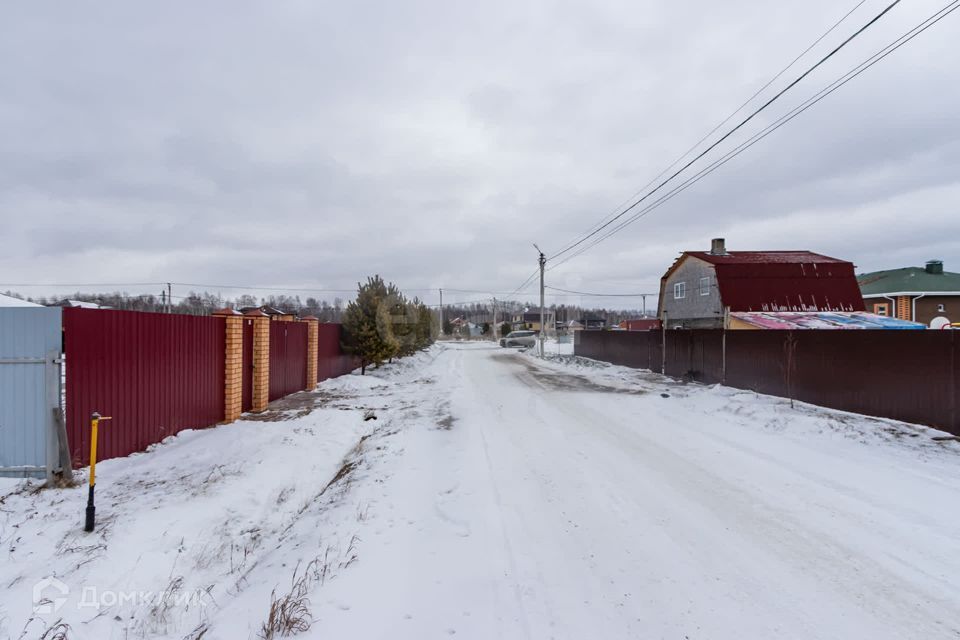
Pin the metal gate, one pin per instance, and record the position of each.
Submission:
(288, 358)
(30, 342)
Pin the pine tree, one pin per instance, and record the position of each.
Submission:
(368, 328)
(426, 325)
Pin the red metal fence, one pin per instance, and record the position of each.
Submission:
(331, 361)
(905, 375)
(154, 374)
(157, 374)
(288, 358)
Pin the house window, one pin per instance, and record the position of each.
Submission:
(705, 286)
(941, 308)
(679, 290)
(881, 309)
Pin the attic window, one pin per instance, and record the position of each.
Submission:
(679, 290)
(705, 286)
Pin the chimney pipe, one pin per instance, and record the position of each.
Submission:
(718, 247)
(935, 267)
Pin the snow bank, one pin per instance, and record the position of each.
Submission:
(194, 535)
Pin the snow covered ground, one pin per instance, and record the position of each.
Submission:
(500, 496)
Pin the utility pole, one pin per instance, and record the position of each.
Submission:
(441, 312)
(169, 298)
(543, 328)
(496, 329)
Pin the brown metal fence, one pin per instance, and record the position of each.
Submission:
(905, 375)
(157, 374)
(154, 374)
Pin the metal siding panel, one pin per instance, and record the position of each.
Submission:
(30, 333)
(903, 375)
(154, 374)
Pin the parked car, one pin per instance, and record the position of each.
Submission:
(519, 339)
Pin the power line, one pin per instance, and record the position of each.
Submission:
(796, 111)
(525, 282)
(729, 117)
(743, 122)
(602, 295)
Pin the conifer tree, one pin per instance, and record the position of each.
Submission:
(368, 330)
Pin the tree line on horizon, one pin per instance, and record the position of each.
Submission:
(198, 303)
(205, 303)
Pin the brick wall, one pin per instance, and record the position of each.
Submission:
(233, 372)
(261, 363)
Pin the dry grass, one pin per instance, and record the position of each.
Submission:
(58, 631)
(199, 633)
(289, 613)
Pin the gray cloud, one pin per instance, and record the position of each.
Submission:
(310, 144)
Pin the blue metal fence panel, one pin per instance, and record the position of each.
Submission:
(30, 342)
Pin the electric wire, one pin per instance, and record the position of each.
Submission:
(729, 133)
(796, 111)
(601, 295)
(729, 117)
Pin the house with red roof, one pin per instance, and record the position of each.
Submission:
(701, 287)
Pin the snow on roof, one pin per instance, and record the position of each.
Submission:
(764, 257)
(10, 301)
(822, 320)
(80, 304)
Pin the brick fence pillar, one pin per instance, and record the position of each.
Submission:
(313, 333)
(261, 360)
(233, 359)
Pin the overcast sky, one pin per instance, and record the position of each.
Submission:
(309, 144)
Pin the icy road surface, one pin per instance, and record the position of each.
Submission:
(500, 496)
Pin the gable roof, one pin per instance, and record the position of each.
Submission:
(908, 280)
(765, 257)
(780, 280)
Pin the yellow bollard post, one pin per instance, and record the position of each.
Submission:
(95, 419)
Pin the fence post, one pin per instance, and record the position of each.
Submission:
(261, 360)
(954, 424)
(663, 342)
(723, 351)
(233, 363)
(313, 333)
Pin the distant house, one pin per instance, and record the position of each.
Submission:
(593, 322)
(531, 319)
(700, 286)
(640, 324)
(10, 301)
(928, 295)
(273, 312)
(80, 304)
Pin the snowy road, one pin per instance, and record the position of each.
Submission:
(558, 507)
(501, 496)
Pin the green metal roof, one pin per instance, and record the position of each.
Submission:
(908, 279)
